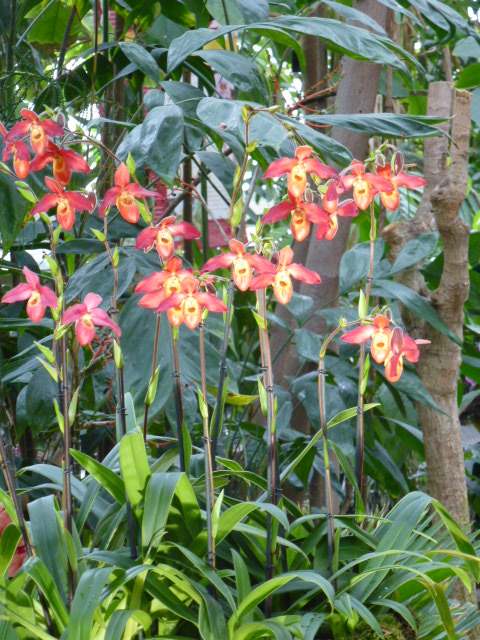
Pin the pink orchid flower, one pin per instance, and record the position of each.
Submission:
(38, 296)
(280, 276)
(162, 284)
(303, 214)
(64, 162)
(378, 332)
(67, 202)
(401, 345)
(297, 169)
(189, 303)
(123, 195)
(241, 262)
(162, 236)
(87, 316)
(38, 130)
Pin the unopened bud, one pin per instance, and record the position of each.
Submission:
(380, 160)
(274, 258)
(396, 341)
(61, 119)
(342, 322)
(92, 198)
(397, 162)
(211, 288)
(308, 195)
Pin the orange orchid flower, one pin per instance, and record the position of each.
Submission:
(188, 304)
(392, 200)
(123, 195)
(297, 169)
(280, 276)
(242, 264)
(20, 151)
(303, 214)
(64, 162)
(39, 130)
(401, 345)
(378, 332)
(365, 185)
(162, 236)
(346, 209)
(67, 202)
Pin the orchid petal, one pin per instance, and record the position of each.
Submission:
(74, 313)
(92, 300)
(48, 297)
(169, 302)
(122, 176)
(153, 282)
(279, 212)
(54, 186)
(262, 281)
(31, 277)
(100, 318)
(110, 198)
(78, 201)
(347, 210)
(211, 302)
(152, 299)
(85, 331)
(358, 335)
(280, 167)
(323, 171)
(18, 294)
(299, 272)
(185, 230)
(51, 128)
(409, 181)
(219, 262)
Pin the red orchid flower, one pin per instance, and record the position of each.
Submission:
(241, 262)
(280, 276)
(346, 209)
(303, 213)
(38, 129)
(64, 162)
(123, 195)
(189, 303)
(38, 296)
(297, 169)
(87, 316)
(162, 236)
(401, 345)
(161, 284)
(378, 332)
(21, 154)
(20, 552)
(67, 202)
(392, 200)
(365, 185)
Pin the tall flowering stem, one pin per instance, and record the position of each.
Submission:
(177, 391)
(360, 437)
(272, 462)
(118, 358)
(154, 367)
(209, 489)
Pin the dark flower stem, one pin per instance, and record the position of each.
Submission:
(154, 367)
(177, 391)
(209, 489)
(360, 448)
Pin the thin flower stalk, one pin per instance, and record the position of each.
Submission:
(154, 367)
(177, 392)
(209, 489)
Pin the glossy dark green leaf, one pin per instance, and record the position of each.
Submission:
(469, 78)
(161, 141)
(159, 495)
(8, 544)
(239, 70)
(118, 622)
(414, 251)
(102, 474)
(142, 59)
(36, 569)
(86, 600)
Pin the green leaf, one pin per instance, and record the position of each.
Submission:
(469, 78)
(414, 251)
(158, 496)
(414, 303)
(161, 140)
(37, 570)
(134, 466)
(103, 475)
(8, 544)
(142, 59)
(85, 601)
(118, 622)
(388, 125)
(236, 68)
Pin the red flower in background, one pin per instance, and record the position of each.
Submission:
(365, 185)
(20, 552)
(189, 303)
(378, 332)
(280, 276)
(392, 200)
(162, 236)
(64, 162)
(297, 169)
(241, 262)
(39, 130)
(38, 296)
(123, 195)
(87, 316)
(67, 202)
(303, 214)
(346, 209)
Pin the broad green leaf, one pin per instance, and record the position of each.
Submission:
(142, 59)
(105, 476)
(242, 578)
(118, 622)
(134, 466)
(238, 69)
(37, 570)
(161, 140)
(86, 600)
(414, 251)
(17, 208)
(8, 544)
(158, 498)
(382, 124)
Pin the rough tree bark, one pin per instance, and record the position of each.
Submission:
(439, 363)
(356, 93)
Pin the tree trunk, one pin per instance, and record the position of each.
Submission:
(439, 363)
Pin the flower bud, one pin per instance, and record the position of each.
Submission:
(308, 194)
(397, 162)
(274, 258)
(61, 119)
(211, 288)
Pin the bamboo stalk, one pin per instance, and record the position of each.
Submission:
(177, 391)
(154, 367)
